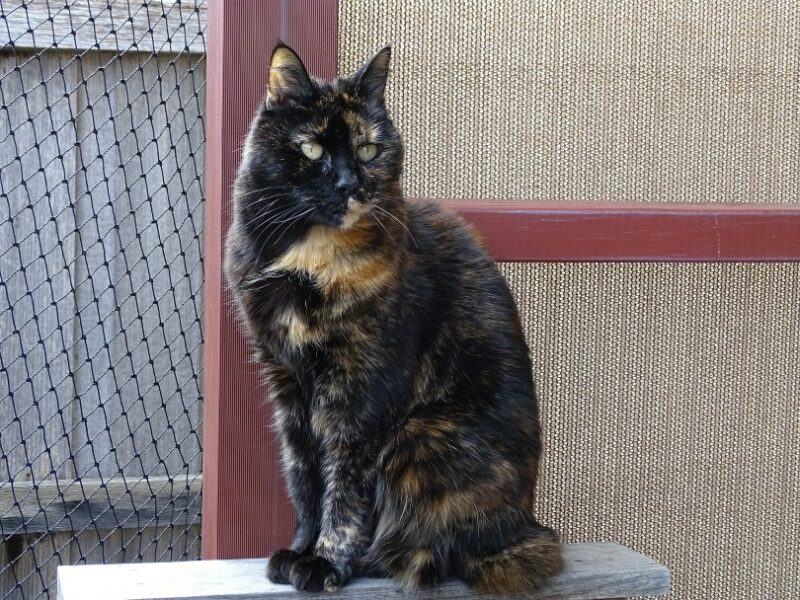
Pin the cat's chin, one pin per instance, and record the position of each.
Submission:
(350, 221)
(356, 210)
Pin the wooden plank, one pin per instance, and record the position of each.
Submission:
(640, 231)
(161, 329)
(137, 205)
(26, 507)
(593, 571)
(37, 159)
(28, 562)
(98, 437)
(165, 26)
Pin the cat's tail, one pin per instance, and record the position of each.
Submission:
(521, 563)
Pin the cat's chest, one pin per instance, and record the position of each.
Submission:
(330, 284)
(287, 309)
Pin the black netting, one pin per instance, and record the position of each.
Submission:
(101, 272)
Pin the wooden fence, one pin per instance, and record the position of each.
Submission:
(101, 273)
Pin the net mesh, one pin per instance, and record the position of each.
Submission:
(101, 273)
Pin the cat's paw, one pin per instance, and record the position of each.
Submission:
(314, 574)
(280, 565)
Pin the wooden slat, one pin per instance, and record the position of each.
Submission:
(37, 301)
(138, 185)
(169, 26)
(593, 571)
(28, 562)
(635, 231)
(74, 505)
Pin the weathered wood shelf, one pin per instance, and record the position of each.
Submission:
(593, 572)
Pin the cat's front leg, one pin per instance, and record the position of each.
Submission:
(346, 527)
(300, 457)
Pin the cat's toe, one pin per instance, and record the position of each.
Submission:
(314, 574)
(280, 565)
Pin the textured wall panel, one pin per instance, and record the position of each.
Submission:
(657, 101)
(669, 396)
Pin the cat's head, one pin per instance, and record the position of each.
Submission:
(319, 153)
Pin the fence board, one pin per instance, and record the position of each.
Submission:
(28, 507)
(96, 380)
(36, 300)
(149, 271)
(129, 216)
(167, 26)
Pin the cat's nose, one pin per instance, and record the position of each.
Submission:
(347, 183)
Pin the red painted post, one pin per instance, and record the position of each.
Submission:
(245, 510)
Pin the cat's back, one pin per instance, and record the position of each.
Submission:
(449, 254)
(438, 231)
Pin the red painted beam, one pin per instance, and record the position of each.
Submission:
(622, 231)
(245, 510)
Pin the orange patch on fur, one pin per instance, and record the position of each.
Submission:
(330, 257)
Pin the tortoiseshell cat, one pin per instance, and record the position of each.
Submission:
(395, 358)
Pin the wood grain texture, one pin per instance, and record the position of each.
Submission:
(35, 258)
(100, 261)
(100, 297)
(164, 26)
(593, 571)
(27, 507)
(638, 231)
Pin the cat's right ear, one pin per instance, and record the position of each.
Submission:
(371, 78)
(288, 79)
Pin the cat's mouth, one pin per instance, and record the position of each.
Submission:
(344, 215)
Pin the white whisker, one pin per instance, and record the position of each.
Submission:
(403, 225)
(264, 189)
(381, 225)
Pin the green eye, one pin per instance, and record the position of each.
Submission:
(311, 149)
(367, 153)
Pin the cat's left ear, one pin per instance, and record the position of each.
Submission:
(288, 80)
(371, 78)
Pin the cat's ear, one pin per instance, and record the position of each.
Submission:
(288, 80)
(371, 78)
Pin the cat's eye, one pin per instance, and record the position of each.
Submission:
(367, 153)
(311, 149)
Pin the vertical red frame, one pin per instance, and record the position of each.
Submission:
(245, 510)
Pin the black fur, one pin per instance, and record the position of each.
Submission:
(394, 352)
